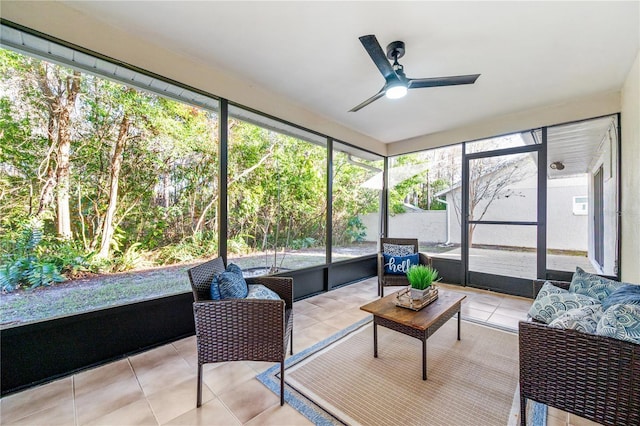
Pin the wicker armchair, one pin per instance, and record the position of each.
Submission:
(386, 280)
(241, 329)
(592, 376)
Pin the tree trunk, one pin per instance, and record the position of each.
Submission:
(64, 147)
(116, 165)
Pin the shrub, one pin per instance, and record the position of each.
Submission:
(22, 266)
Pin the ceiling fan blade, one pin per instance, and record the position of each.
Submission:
(371, 45)
(368, 101)
(416, 83)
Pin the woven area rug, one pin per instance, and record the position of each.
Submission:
(470, 382)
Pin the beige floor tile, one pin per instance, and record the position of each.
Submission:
(227, 376)
(170, 373)
(580, 421)
(479, 306)
(88, 381)
(475, 314)
(213, 413)
(303, 306)
(322, 314)
(559, 414)
(519, 303)
(278, 416)
(188, 350)
(107, 399)
(134, 414)
(554, 421)
(303, 321)
(176, 400)
(153, 358)
(60, 414)
(504, 321)
(261, 366)
(30, 401)
(309, 336)
(345, 319)
(510, 312)
(249, 399)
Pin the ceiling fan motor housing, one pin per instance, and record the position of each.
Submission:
(395, 50)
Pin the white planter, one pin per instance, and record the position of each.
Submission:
(420, 294)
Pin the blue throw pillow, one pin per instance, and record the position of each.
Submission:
(628, 294)
(257, 291)
(232, 285)
(232, 267)
(399, 265)
(215, 289)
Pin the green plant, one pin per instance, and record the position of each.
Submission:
(24, 265)
(356, 230)
(302, 243)
(421, 276)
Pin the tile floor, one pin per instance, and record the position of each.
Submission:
(158, 387)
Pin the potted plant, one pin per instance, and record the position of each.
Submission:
(421, 277)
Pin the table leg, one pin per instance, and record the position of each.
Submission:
(424, 359)
(375, 339)
(459, 324)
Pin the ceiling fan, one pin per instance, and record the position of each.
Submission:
(397, 83)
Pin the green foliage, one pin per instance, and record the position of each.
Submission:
(166, 207)
(195, 247)
(130, 259)
(22, 265)
(302, 243)
(356, 231)
(421, 276)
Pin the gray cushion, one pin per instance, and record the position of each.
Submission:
(258, 291)
(548, 288)
(583, 319)
(550, 307)
(621, 322)
(397, 249)
(592, 285)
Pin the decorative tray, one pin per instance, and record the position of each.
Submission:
(404, 300)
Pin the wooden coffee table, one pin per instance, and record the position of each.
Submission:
(419, 324)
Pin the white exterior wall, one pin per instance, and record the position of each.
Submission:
(426, 226)
(630, 175)
(610, 207)
(565, 231)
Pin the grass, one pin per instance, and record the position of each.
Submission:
(89, 294)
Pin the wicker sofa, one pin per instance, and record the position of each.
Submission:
(592, 376)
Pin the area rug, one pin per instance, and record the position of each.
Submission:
(338, 381)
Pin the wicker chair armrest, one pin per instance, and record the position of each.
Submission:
(424, 259)
(595, 377)
(537, 285)
(380, 264)
(281, 285)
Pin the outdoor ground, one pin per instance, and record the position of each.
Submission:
(101, 291)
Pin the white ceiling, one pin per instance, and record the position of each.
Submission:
(529, 54)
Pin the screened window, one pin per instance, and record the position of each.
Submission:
(277, 191)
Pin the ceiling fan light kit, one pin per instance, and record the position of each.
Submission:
(397, 84)
(396, 90)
